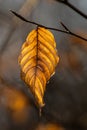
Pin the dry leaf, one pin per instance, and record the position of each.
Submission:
(38, 60)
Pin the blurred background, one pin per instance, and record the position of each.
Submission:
(66, 93)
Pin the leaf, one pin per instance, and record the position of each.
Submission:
(38, 60)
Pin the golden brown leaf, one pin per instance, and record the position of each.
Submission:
(38, 60)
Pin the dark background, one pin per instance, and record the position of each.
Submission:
(66, 93)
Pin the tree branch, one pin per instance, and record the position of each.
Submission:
(67, 3)
(64, 26)
(67, 31)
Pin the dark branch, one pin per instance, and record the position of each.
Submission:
(22, 18)
(67, 31)
(64, 26)
(67, 3)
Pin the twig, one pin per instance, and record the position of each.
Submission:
(67, 3)
(64, 26)
(67, 31)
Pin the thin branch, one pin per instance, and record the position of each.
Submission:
(64, 26)
(67, 3)
(67, 31)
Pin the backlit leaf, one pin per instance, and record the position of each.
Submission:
(38, 60)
